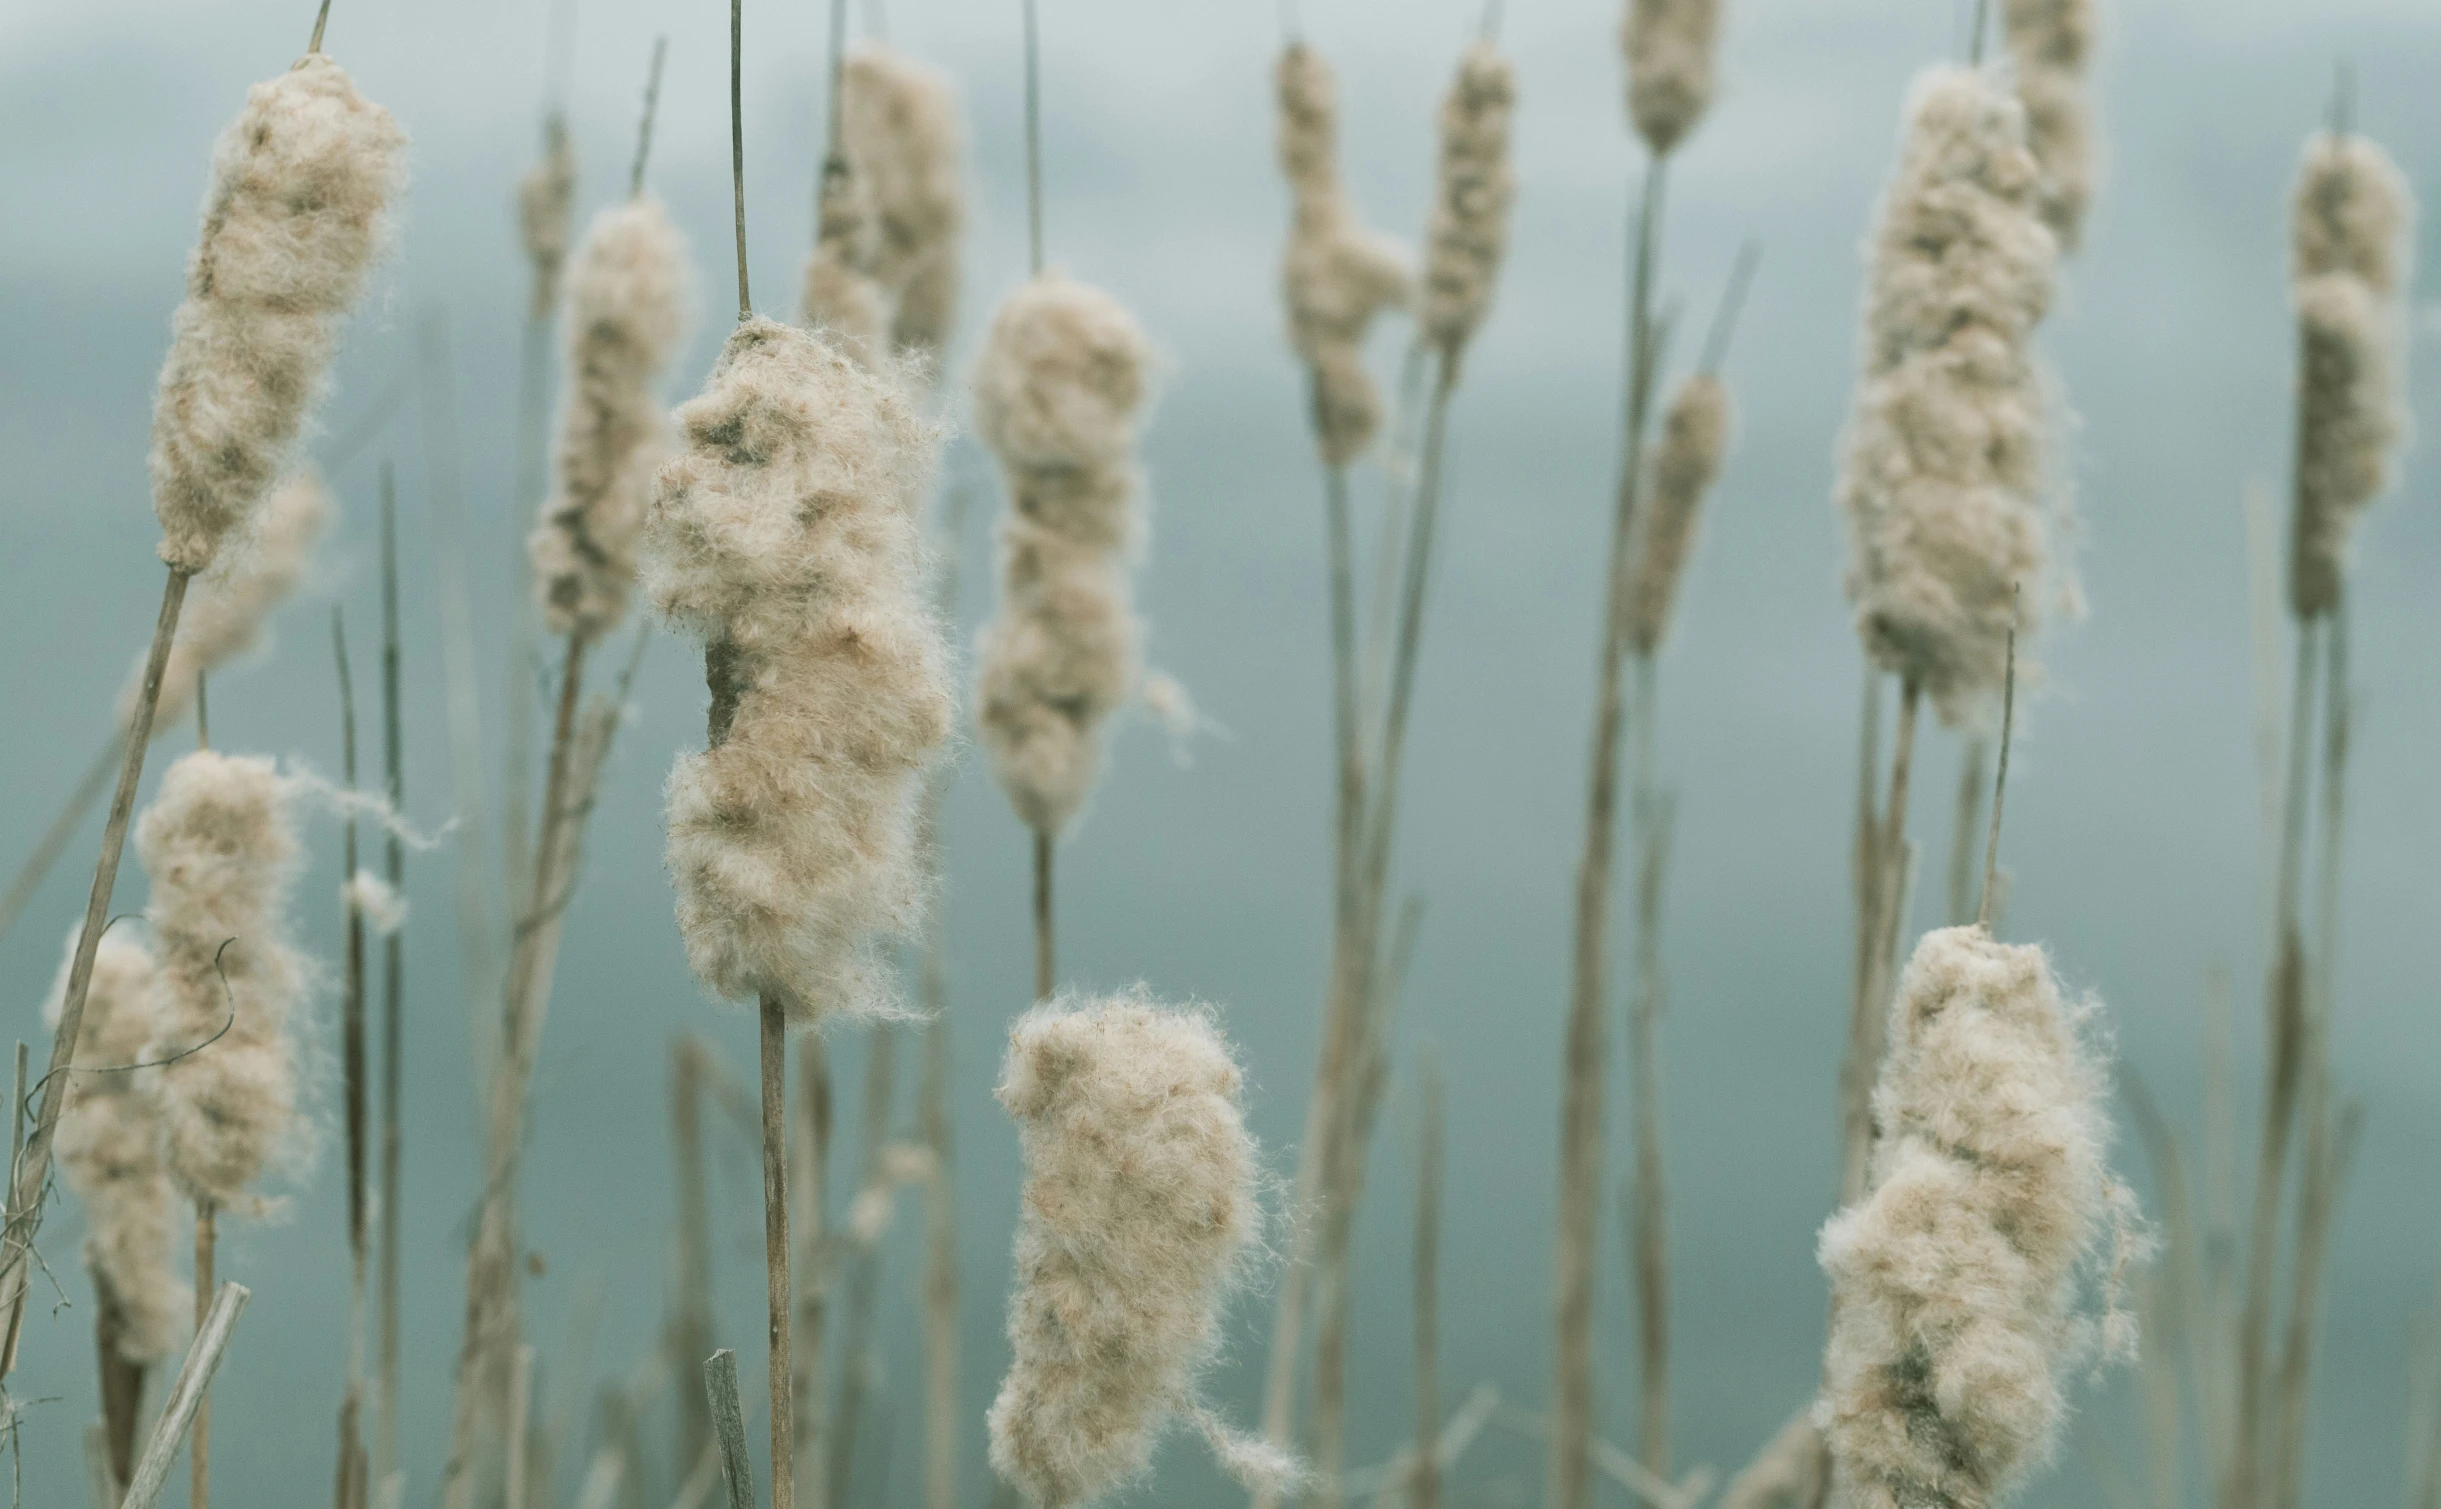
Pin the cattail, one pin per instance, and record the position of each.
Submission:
(1337, 274)
(842, 297)
(1469, 232)
(1058, 388)
(220, 849)
(1941, 474)
(2052, 43)
(546, 213)
(1138, 1214)
(301, 185)
(1694, 440)
(2353, 208)
(1669, 46)
(628, 304)
(900, 127)
(1955, 1280)
(110, 1152)
(782, 537)
(228, 608)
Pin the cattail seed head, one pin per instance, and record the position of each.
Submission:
(1955, 1281)
(110, 1148)
(546, 214)
(301, 187)
(1694, 441)
(1337, 274)
(842, 298)
(220, 847)
(2348, 425)
(1062, 378)
(1469, 231)
(228, 607)
(2353, 213)
(1138, 1213)
(1669, 46)
(628, 307)
(1941, 471)
(782, 537)
(900, 126)
(2052, 42)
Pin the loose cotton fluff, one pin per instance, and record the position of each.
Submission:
(1941, 467)
(228, 607)
(221, 851)
(2353, 208)
(781, 537)
(1694, 441)
(1469, 231)
(301, 187)
(2052, 43)
(1138, 1215)
(900, 125)
(110, 1150)
(546, 212)
(628, 303)
(1669, 46)
(1337, 274)
(1955, 1281)
(1057, 391)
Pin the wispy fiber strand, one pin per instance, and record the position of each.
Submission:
(1138, 1216)
(2052, 44)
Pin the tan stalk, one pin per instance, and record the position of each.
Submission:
(1963, 900)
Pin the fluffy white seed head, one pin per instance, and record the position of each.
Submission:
(1955, 1282)
(2052, 43)
(1669, 46)
(1058, 389)
(2353, 214)
(1469, 231)
(782, 536)
(228, 607)
(220, 847)
(367, 895)
(1138, 1214)
(629, 301)
(1694, 441)
(1941, 467)
(842, 298)
(546, 213)
(301, 188)
(900, 126)
(1336, 274)
(2348, 428)
(110, 1148)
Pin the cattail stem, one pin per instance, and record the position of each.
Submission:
(729, 1423)
(54, 842)
(1046, 974)
(1034, 144)
(188, 1400)
(813, 1272)
(1733, 303)
(199, 1455)
(775, 1247)
(521, 1400)
(857, 1365)
(352, 1061)
(1968, 821)
(33, 1171)
(644, 127)
(322, 18)
(1862, 1058)
(2000, 786)
(1878, 935)
(1651, 814)
(394, 965)
(1425, 1489)
(737, 147)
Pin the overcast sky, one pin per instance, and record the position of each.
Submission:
(2133, 833)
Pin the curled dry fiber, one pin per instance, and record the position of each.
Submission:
(1941, 476)
(1669, 46)
(628, 302)
(2052, 42)
(301, 186)
(1337, 274)
(782, 536)
(546, 212)
(1694, 439)
(228, 606)
(1138, 1213)
(2353, 208)
(1469, 231)
(1058, 388)
(1954, 1282)
(218, 845)
(110, 1150)
(900, 125)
